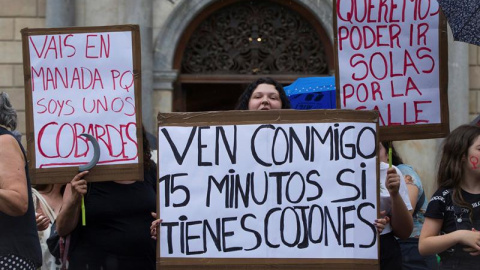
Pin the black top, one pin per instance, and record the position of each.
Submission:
(18, 235)
(117, 231)
(454, 217)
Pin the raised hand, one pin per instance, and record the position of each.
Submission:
(79, 185)
(392, 183)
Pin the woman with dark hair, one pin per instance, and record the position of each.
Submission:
(19, 244)
(395, 204)
(119, 217)
(263, 94)
(411, 258)
(452, 220)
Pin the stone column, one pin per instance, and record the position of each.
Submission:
(458, 89)
(140, 12)
(60, 13)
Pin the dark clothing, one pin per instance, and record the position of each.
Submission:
(412, 260)
(16, 262)
(18, 235)
(390, 254)
(117, 231)
(455, 218)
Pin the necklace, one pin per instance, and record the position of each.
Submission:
(459, 218)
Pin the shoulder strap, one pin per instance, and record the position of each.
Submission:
(45, 207)
(419, 204)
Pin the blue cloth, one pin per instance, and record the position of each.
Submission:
(463, 16)
(412, 178)
(312, 93)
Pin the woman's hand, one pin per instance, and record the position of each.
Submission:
(392, 183)
(381, 223)
(470, 239)
(78, 186)
(154, 226)
(42, 222)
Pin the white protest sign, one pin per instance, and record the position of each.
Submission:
(83, 83)
(388, 59)
(268, 191)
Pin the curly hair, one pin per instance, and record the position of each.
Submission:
(8, 115)
(450, 173)
(242, 103)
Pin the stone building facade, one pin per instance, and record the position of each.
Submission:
(474, 80)
(164, 25)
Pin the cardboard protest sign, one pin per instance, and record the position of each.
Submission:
(83, 80)
(391, 57)
(276, 188)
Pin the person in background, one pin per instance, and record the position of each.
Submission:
(116, 235)
(395, 203)
(48, 199)
(411, 258)
(452, 219)
(263, 94)
(19, 244)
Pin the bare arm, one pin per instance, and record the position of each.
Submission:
(413, 190)
(431, 242)
(13, 180)
(401, 220)
(412, 194)
(68, 216)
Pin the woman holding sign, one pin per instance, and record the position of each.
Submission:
(394, 202)
(116, 235)
(452, 220)
(410, 255)
(263, 94)
(19, 244)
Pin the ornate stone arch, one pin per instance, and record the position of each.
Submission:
(186, 11)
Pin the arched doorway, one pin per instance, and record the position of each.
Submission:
(233, 42)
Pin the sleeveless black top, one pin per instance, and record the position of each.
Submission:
(117, 231)
(18, 235)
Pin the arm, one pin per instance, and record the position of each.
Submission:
(42, 222)
(431, 242)
(13, 180)
(380, 223)
(69, 215)
(412, 194)
(401, 219)
(153, 227)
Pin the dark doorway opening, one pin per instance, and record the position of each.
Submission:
(211, 97)
(234, 42)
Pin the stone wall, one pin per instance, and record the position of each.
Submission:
(14, 16)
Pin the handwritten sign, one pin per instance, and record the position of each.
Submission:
(82, 82)
(279, 190)
(389, 60)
